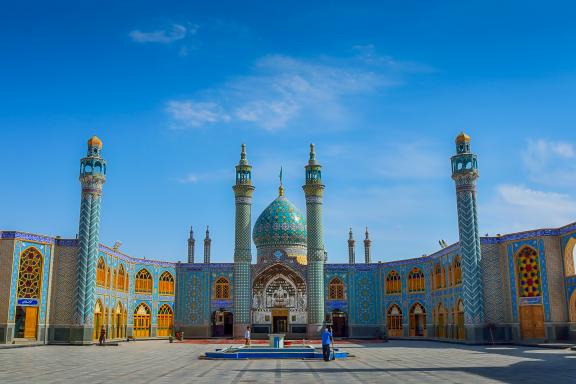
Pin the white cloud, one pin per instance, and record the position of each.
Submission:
(517, 207)
(186, 114)
(188, 179)
(550, 162)
(283, 89)
(162, 36)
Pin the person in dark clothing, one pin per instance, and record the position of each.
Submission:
(327, 341)
(102, 337)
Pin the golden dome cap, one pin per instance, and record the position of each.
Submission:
(462, 138)
(95, 142)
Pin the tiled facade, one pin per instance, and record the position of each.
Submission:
(476, 295)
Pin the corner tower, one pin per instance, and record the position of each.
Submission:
(92, 178)
(243, 190)
(465, 174)
(314, 191)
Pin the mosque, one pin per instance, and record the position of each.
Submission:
(509, 288)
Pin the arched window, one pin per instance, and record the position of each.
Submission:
(438, 277)
(570, 257)
(143, 282)
(108, 278)
(457, 270)
(336, 289)
(101, 273)
(416, 282)
(165, 320)
(222, 288)
(115, 279)
(528, 269)
(166, 284)
(394, 320)
(118, 330)
(142, 320)
(393, 283)
(30, 274)
(121, 282)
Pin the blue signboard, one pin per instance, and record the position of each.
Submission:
(28, 302)
(531, 300)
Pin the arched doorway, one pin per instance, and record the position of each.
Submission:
(459, 318)
(29, 294)
(279, 301)
(142, 316)
(222, 323)
(339, 323)
(98, 319)
(531, 310)
(394, 320)
(165, 320)
(572, 308)
(417, 320)
(440, 320)
(118, 322)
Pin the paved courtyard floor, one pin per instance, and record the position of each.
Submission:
(393, 362)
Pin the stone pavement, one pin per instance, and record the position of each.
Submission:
(393, 362)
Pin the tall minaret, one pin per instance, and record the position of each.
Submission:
(92, 178)
(367, 248)
(465, 173)
(191, 243)
(351, 251)
(207, 243)
(314, 190)
(243, 190)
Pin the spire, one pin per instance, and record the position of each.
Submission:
(351, 250)
(281, 187)
(367, 246)
(243, 159)
(191, 243)
(207, 245)
(312, 160)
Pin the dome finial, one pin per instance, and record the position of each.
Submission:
(462, 138)
(95, 142)
(281, 187)
(312, 153)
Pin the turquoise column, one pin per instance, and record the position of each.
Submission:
(243, 190)
(465, 174)
(92, 179)
(314, 191)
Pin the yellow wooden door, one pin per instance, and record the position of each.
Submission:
(31, 323)
(532, 322)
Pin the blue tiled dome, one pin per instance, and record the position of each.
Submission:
(281, 223)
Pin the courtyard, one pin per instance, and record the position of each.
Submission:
(393, 362)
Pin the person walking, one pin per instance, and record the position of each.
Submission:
(247, 336)
(327, 340)
(102, 337)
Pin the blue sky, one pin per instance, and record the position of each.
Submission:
(382, 88)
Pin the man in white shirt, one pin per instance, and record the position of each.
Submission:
(247, 336)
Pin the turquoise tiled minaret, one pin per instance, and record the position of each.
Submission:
(243, 190)
(314, 190)
(465, 173)
(92, 178)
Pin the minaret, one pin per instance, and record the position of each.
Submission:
(207, 243)
(92, 178)
(314, 190)
(465, 173)
(191, 243)
(243, 190)
(351, 251)
(367, 248)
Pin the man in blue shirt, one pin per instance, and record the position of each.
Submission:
(327, 340)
